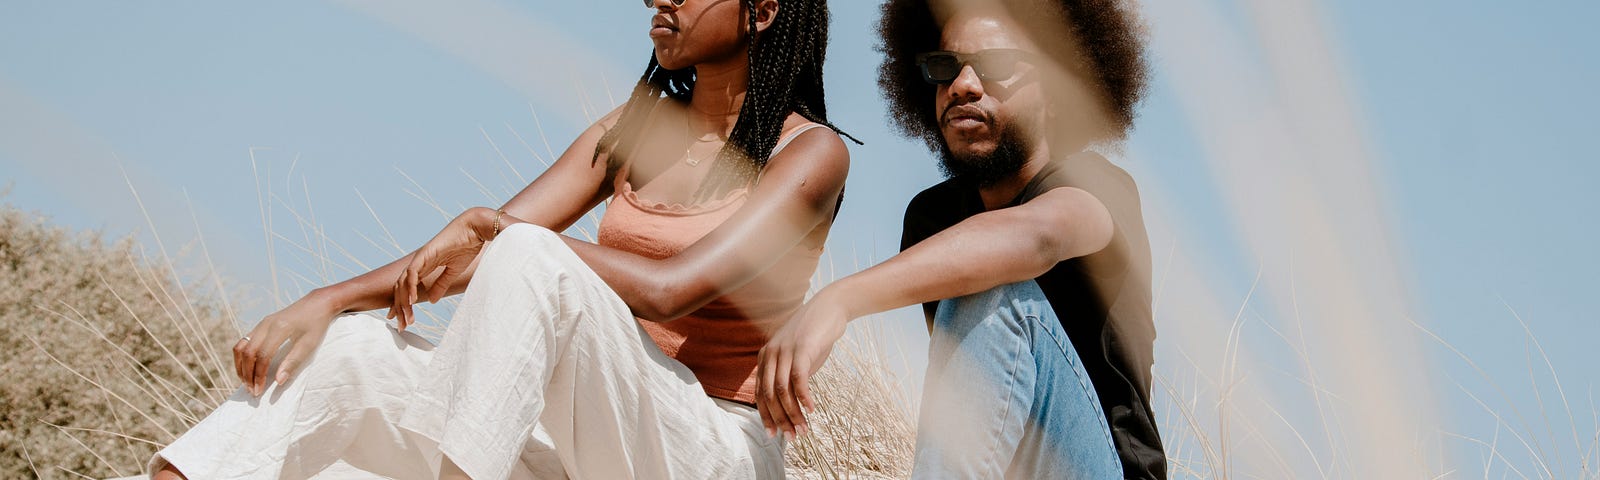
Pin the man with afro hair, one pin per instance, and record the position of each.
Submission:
(1031, 260)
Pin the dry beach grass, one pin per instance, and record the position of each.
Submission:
(106, 354)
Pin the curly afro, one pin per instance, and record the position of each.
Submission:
(1109, 33)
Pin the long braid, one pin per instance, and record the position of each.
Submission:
(785, 76)
(771, 83)
(809, 96)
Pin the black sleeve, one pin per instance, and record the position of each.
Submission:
(918, 226)
(1107, 182)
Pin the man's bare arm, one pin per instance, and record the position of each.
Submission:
(990, 249)
(987, 250)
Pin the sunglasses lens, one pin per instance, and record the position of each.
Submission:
(940, 68)
(652, 3)
(995, 66)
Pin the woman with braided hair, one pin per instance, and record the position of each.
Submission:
(630, 357)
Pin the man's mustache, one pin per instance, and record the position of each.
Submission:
(965, 110)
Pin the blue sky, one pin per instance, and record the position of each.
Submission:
(1468, 122)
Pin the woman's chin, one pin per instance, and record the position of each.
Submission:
(668, 59)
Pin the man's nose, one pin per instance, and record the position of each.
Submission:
(967, 85)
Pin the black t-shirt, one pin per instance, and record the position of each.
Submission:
(1102, 299)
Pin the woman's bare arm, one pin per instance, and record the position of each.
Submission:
(560, 196)
(798, 191)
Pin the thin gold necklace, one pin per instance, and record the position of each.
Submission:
(688, 156)
(706, 138)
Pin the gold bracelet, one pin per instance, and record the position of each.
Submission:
(497, 214)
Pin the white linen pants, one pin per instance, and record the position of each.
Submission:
(542, 373)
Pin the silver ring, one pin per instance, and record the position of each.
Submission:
(245, 338)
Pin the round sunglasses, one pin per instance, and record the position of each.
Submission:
(992, 65)
(652, 3)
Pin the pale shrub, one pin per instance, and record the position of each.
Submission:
(112, 390)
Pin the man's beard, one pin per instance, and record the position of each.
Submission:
(1009, 155)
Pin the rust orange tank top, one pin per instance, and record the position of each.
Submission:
(719, 342)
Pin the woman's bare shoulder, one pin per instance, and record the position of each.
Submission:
(813, 141)
(814, 154)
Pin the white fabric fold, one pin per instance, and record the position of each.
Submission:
(542, 373)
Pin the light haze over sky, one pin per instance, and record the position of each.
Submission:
(1475, 116)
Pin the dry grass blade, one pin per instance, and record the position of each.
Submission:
(146, 328)
(102, 387)
(525, 146)
(1494, 452)
(503, 158)
(105, 432)
(231, 314)
(264, 207)
(167, 387)
(29, 457)
(1538, 455)
(86, 447)
(74, 472)
(1561, 391)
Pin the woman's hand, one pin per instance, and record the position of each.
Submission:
(786, 363)
(453, 250)
(302, 324)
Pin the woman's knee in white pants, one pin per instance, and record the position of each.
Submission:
(360, 348)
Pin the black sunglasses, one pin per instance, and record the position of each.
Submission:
(992, 65)
(652, 3)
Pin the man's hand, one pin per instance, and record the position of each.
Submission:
(785, 365)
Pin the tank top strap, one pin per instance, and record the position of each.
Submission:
(786, 140)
